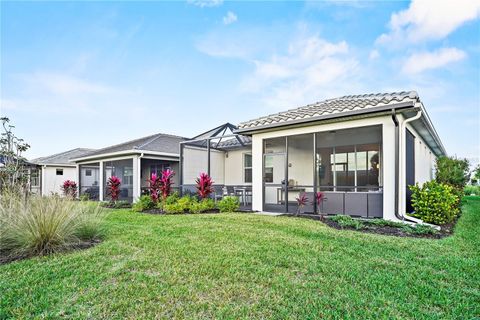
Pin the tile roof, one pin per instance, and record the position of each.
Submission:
(332, 106)
(159, 142)
(63, 157)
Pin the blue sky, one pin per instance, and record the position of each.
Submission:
(91, 74)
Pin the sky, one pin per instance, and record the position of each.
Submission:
(93, 74)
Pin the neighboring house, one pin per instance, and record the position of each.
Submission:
(53, 170)
(133, 162)
(360, 151)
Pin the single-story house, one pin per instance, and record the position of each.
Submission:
(52, 171)
(360, 151)
(132, 162)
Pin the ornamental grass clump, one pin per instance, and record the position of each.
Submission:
(43, 225)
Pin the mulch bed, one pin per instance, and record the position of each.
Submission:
(445, 231)
(6, 258)
(214, 211)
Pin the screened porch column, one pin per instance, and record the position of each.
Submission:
(102, 181)
(137, 181)
(257, 173)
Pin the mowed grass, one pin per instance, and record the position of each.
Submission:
(250, 266)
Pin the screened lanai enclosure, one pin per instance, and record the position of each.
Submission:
(345, 165)
(226, 157)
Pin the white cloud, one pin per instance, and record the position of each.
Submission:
(311, 68)
(205, 3)
(422, 61)
(63, 84)
(230, 18)
(374, 54)
(429, 19)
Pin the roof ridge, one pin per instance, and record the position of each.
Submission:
(56, 155)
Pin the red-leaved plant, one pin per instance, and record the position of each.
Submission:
(204, 185)
(302, 200)
(113, 187)
(154, 186)
(166, 182)
(69, 188)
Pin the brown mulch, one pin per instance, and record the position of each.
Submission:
(5, 257)
(445, 231)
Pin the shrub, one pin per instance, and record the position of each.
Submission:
(434, 202)
(173, 198)
(69, 189)
(143, 203)
(173, 208)
(113, 188)
(202, 206)
(204, 185)
(228, 204)
(84, 197)
(423, 229)
(348, 222)
(43, 225)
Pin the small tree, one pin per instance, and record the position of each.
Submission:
(204, 185)
(166, 182)
(113, 187)
(69, 189)
(452, 171)
(154, 186)
(12, 164)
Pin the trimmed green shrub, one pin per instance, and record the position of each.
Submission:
(173, 198)
(84, 197)
(173, 208)
(228, 204)
(423, 229)
(143, 203)
(204, 205)
(434, 202)
(348, 222)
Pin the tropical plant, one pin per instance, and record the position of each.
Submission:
(13, 173)
(319, 196)
(143, 203)
(166, 182)
(113, 188)
(434, 202)
(228, 204)
(69, 189)
(42, 225)
(154, 187)
(204, 185)
(348, 222)
(302, 200)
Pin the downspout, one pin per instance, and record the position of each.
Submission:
(399, 161)
(395, 121)
(139, 172)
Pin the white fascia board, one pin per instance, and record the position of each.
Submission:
(55, 165)
(123, 153)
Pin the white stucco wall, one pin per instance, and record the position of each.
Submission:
(234, 167)
(387, 161)
(51, 183)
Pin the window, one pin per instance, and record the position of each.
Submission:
(247, 168)
(35, 178)
(128, 176)
(269, 168)
(88, 172)
(59, 172)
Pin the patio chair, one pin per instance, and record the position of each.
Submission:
(217, 193)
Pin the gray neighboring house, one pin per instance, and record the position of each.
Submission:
(51, 171)
(133, 162)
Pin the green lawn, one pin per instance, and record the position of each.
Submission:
(250, 266)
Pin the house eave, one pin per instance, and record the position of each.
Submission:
(132, 152)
